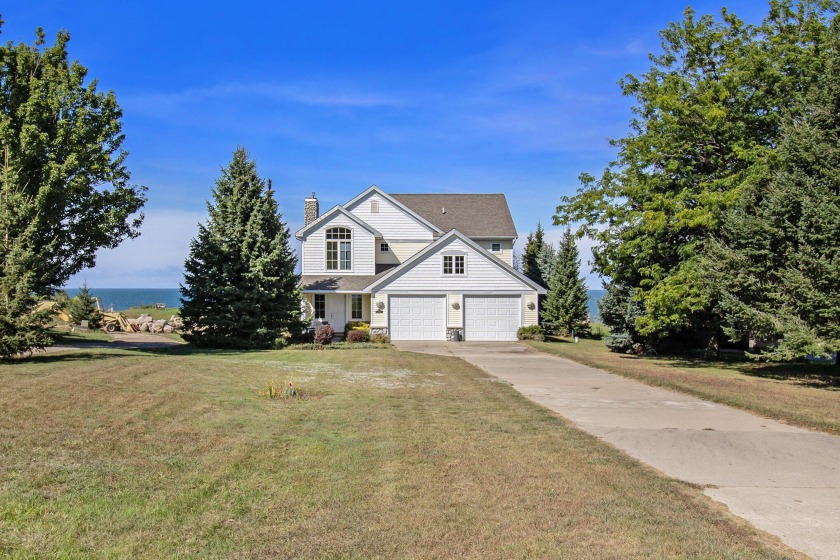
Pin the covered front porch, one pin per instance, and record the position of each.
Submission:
(336, 309)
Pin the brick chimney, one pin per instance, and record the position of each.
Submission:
(310, 210)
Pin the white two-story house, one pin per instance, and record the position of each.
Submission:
(416, 266)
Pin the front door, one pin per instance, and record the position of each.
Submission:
(336, 311)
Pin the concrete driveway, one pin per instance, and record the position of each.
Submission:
(784, 480)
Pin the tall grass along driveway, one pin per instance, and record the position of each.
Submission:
(803, 395)
(385, 455)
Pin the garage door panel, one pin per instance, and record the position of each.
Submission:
(418, 318)
(491, 318)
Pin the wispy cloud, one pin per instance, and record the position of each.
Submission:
(327, 95)
(153, 260)
(634, 48)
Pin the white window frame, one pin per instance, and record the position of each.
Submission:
(353, 299)
(341, 244)
(315, 299)
(454, 265)
(384, 247)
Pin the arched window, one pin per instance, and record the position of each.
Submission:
(339, 249)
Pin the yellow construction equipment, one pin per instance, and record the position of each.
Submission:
(53, 307)
(113, 322)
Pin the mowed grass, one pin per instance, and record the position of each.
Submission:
(805, 395)
(154, 313)
(117, 454)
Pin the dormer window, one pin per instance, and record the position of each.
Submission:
(339, 249)
(496, 247)
(383, 247)
(453, 264)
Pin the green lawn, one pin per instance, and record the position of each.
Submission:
(802, 394)
(68, 334)
(117, 454)
(165, 313)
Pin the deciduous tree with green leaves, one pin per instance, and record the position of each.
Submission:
(566, 305)
(707, 117)
(240, 288)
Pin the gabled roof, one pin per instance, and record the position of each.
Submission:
(474, 215)
(397, 203)
(330, 213)
(418, 257)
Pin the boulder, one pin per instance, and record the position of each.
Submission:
(168, 329)
(144, 327)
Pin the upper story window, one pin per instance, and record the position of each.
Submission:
(453, 264)
(374, 206)
(339, 249)
(496, 247)
(383, 247)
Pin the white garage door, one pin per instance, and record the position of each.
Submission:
(491, 317)
(418, 317)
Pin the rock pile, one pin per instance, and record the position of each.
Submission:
(145, 323)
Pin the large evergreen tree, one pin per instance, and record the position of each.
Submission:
(22, 328)
(706, 122)
(65, 187)
(64, 140)
(567, 302)
(240, 288)
(531, 255)
(776, 268)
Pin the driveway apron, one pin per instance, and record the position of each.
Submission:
(784, 480)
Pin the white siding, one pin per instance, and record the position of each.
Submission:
(404, 251)
(313, 249)
(481, 274)
(378, 318)
(453, 318)
(387, 257)
(506, 254)
(529, 316)
(391, 221)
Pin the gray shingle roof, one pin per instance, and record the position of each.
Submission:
(474, 215)
(332, 282)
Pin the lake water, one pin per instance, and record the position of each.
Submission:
(123, 298)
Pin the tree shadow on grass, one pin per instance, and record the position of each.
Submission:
(810, 375)
(817, 376)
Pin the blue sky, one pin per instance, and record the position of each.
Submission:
(331, 97)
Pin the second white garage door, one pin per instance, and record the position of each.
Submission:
(418, 317)
(491, 317)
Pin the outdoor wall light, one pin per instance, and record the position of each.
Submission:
(456, 305)
(380, 306)
(530, 305)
